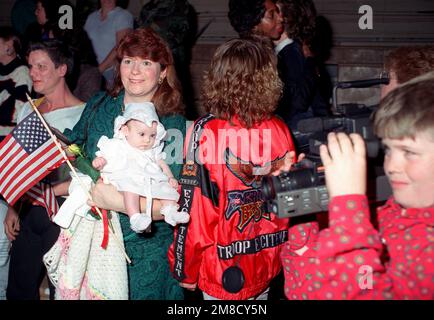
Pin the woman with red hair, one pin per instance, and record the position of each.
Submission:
(144, 73)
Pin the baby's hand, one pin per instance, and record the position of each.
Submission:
(98, 163)
(173, 183)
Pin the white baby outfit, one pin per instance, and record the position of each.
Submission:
(134, 170)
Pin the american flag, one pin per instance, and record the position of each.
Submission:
(41, 194)
(27, 155)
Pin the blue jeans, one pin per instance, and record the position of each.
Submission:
(4, 252)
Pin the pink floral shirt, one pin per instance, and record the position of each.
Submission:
(346, 260)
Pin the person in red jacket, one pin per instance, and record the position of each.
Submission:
(351, 259)
(230, 248)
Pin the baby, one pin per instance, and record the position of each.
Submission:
(133, 161)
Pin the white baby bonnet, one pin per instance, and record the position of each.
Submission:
(141, 111)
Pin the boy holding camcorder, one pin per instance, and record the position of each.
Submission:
(351, 259)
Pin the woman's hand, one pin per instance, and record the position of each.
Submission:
(105, 196)
(288, 162)
(11, 224)
(344, 160)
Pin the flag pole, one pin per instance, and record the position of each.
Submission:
(75, 174)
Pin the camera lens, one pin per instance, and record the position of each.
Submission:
(267, 188)
(287, 181)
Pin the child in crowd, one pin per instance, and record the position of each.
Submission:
(133, 161)
(351, 259)
(405, 63)
(15, 82)
(230, 248)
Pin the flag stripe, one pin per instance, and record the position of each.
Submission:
(36, 162)
(36, 196)
(12, 159)
(19, 192)
(19, 157)
(53, 206)
(38, 175)
(43, 195)
(21, 163)
(6, 146)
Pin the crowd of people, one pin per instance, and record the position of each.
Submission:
(185, 207)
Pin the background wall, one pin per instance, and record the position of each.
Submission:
(356, 54)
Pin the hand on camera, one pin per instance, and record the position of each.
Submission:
(344, 159)
(289, 160)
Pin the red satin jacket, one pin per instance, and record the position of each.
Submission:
(228, 225)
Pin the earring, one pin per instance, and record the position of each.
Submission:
(160, 81)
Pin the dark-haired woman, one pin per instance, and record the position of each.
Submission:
(34, 233)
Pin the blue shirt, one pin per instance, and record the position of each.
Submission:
(102, 33)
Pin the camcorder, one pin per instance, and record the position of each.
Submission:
(297, 192)
(302, 190)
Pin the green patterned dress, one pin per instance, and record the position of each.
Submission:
(149, 276)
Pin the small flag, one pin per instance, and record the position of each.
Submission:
(27, 155)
